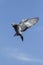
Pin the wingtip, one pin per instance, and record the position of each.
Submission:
(37, 18)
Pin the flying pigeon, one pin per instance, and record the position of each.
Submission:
(24, 25)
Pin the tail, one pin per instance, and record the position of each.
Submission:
(21, 37)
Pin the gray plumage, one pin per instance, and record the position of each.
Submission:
(24, 25)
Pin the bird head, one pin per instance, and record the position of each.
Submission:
(14, 25)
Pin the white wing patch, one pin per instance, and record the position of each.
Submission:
(28, 24)
(31, 22)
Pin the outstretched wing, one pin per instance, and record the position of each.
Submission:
(27, 23)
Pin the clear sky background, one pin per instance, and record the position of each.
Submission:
(12, 50)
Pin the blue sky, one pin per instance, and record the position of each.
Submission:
(12, 50)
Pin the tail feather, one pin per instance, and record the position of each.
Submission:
(21, 37)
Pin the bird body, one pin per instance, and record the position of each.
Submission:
(24, 25)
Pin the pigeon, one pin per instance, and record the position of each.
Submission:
(24, 25)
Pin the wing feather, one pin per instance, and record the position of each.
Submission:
(27, 23)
